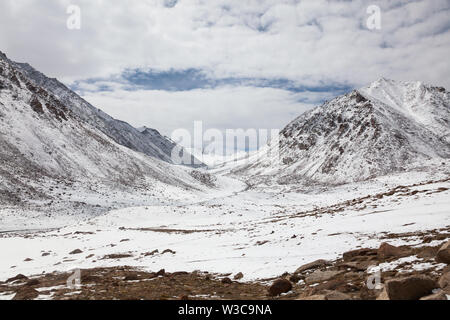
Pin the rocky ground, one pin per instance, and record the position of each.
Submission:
(386, 273)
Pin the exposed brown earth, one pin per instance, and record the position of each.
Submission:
(343, 279)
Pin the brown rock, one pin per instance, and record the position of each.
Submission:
(131, 277)
(18, 277)
(76, 251)
(336, 295)
(280, 286)
(383, 295)
(357, 265)
(239, 276)
(226, 281)
(365, 252)
(161, 272)
(436, 296)
(386, 251)
(295, 278)
(409, 288)
(312, 265)
(26, 293)
(443, 255)
(320, 276)
(314, 297)
(444, 281)
(32, 282)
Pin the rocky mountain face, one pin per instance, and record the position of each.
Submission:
(149, 141)
(386, 127)
(48, 134)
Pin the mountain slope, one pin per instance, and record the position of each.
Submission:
(387, 127)
(151, 143)
(45, 143)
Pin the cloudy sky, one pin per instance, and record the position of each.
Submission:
(229, 63)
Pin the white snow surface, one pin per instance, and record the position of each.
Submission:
(260, 232)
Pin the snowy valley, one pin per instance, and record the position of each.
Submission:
(81, 190)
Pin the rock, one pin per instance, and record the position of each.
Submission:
(295, 278)
(32, 282)
(28, 260)
(383, 295)
(365, 252)
(444, 280)
(45, 254)
(312, 265)
(226, 281)
(18, 277)
(26, 293)
(409, 288)
(131, 277)
(443, 255)
(314, 297)
(357, 265)
(280, 286)
(161, 272)
(76, 251)
(386, 251)
(336, 295)
(168, 251)
(151, 253)
(436, 296)
(179, 273)
(320, 276)
(239, 276)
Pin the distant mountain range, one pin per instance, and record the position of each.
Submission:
(387, 127)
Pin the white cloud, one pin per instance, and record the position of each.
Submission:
(221, 108)
(309, 41)
(312, 42)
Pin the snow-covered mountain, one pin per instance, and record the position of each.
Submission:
(51, 138)
(389, 126)
(148, 141)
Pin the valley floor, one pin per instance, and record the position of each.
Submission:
(261, 232)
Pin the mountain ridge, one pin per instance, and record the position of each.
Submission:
(360, 135)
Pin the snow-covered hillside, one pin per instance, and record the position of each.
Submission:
(387, 127)
(51, 150)
(147, 141)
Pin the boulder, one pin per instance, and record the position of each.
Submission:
(360, 253)
(161, 272)
(18, 277)
(409, 288)
(239, 276)
(131, 277)
(226, 281)
(436, 296)
(32, 282)
(279, 287)
(76, 251)
(320, 276)
(336, 295)
(26, 293)
(444, 281)
(314, 297)
(312, 265)
(443, 255)
(387, 251)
